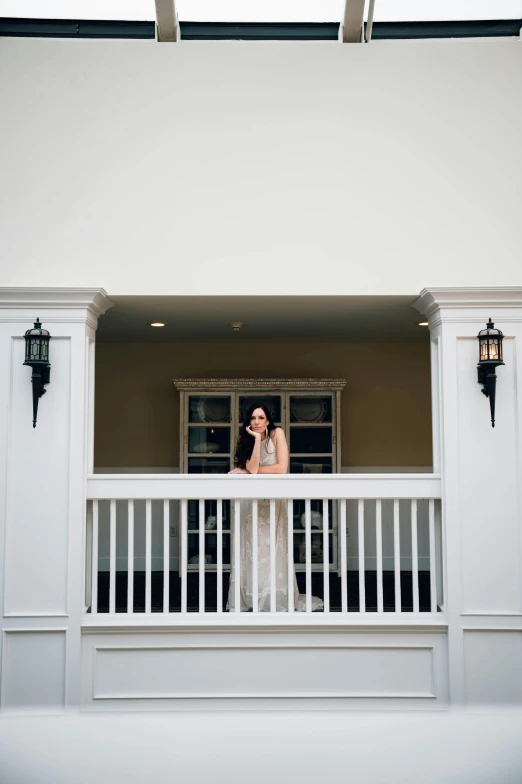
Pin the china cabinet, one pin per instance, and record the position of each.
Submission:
(212, 412)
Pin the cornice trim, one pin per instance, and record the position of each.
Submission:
(431, 300)
(94, 300)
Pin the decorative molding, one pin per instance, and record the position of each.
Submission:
(252, 624)
(95, 300)
(293, 648)
(259, 383)
(431, 300)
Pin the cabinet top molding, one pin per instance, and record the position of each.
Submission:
(259, 383)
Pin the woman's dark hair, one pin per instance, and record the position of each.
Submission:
(245, 442)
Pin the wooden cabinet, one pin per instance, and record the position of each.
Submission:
(212, 411)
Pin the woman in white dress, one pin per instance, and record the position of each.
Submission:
(262, 449)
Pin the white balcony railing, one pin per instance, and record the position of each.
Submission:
(151, 551)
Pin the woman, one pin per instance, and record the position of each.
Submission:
(262, 449)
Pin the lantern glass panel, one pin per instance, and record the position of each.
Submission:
(493, 349)
(35, 349)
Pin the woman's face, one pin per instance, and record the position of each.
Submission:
(258, 421)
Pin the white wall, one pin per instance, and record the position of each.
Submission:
(180, 169)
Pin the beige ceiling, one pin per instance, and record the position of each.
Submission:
(354, 319)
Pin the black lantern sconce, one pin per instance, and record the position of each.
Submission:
(490, 357)
(37, 356)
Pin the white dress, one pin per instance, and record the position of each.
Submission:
(267, 457)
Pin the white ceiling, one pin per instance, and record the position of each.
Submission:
(280, 318)
(263, 10)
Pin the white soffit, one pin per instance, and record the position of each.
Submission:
(264, 10)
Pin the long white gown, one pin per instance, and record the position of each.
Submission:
(268, 457)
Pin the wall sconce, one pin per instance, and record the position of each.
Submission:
(490, 356)
(37, 356)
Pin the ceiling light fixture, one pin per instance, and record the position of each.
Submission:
(236, 325)
(156, 324)
(423, 323)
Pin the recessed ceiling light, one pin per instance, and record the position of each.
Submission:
(423, 323)
(156, 324)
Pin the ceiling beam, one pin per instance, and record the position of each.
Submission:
(350, 30)
(167, 25)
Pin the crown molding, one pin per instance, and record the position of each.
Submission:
(431, 300)
(259, 383)
(94, 300)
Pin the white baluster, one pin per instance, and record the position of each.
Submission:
(326, 558)
(433, 557)
(344, 561)
(273, 575)
(184, 553)
(255, 557)
(201, 556)
(290, 574)
(166, 555)
(112, 550)
(94, 562)
(414, 556)
(219, 576)
(378, 547)
(148, 554)
(88, 557)
(362, 586)
(130, 557)
(308, 546)
(397, 555)
(439, 549)
(237, 561)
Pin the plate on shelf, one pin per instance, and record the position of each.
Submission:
(210, 410)
(316, 519)
(308, 410)
(206, 446)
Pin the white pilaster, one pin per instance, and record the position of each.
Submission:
(42, 493)
(481, 490)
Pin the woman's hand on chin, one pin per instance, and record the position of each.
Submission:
(254, 433)
(239, 471)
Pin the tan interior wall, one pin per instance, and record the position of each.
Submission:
(385, 413)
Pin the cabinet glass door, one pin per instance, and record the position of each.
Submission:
(311, 434)
(208, 441)
(208, 438)
(311, 443)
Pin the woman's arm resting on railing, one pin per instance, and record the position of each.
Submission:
(252, 465)
(281, 466)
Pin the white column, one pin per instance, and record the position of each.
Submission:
(42, 490)
(481, 491)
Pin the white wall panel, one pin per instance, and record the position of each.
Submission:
(264, 671)
(37, 487)
(489, 479)
(154, 166)
(151, 671)
(493, 667)
(33, 670)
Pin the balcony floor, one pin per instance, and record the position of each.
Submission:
(211, 592)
